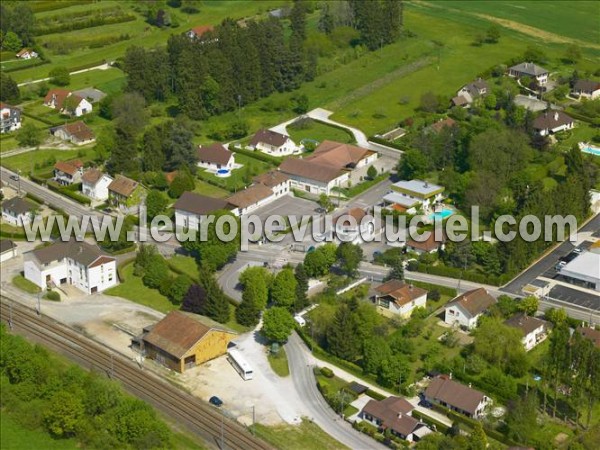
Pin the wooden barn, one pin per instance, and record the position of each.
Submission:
(182, 340)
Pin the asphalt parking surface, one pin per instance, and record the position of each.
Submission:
(576, 297)
(287, 206)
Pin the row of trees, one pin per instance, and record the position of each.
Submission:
(41, 392)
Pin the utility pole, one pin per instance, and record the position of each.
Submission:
(112, 366)
(19, 178)
(10, 316)
(39, 305)
(253, 419)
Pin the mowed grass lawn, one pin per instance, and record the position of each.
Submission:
(14, 436)
(319, 132)
(279, 363)
(140, 32)
(459, 63)
(298, 437)
(184, 264)
(204, 188)
(26, 162)
(237, 180)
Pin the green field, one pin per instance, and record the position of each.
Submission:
(184, 264)
(577, 22)
(25, 162)
(25, 285)
(298, 437)
(202, 187)
(319, 132)
(13, 436)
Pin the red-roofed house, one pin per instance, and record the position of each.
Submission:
(67, 103)
(394, 414)
(68, 172)
(197, 32)
(466, 309)
(273, 143)
(77, 133)
(399, 298)
(215, 157)
(354, 225)
(26, 53)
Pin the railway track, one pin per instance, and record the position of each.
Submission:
(219, 431)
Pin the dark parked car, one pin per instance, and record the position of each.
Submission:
(320, 210)
(214, 400)
(425, 404)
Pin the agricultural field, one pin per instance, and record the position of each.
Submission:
(40, 161)
(14, 436)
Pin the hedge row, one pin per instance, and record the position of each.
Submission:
(453, 272)
(79, 198)
(41, 119)
(439, 426)
(444, 290)
(121, 268)
(35, 198)
(257, 155)
(95, 19)
(385, 142)
(39, 62)
(51, 5)
(583, 118)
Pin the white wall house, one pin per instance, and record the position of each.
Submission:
(10, 118)
(586, 89)
(394, 414)
(395, 297)
(533, 329)
(466, 309)
(76, 263)
(455, 396)
(214, 157)
(414, 194)
(551, 122)
(190, 208)
(75, 105)
(251, 198)
(531, 70)
(17, 211)
(68, 172)
(8, 250)
(26, 53)
(273, 143)
(94, 184)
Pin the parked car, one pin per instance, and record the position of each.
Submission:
(425, 404)
(577, 250)
(214, 400)
(560, 265)
(320, 210)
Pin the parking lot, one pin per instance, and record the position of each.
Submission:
(575, 297)
(287, 206)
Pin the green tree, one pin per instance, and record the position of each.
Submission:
(301, 104)
(195, 300)
(557, 316)
(414, 164)
(155, 204)
(278, 324)
(372, 172)
(156, 271)
(283, 288)
(493, 34)
(9, 91)
(11, 42)
(342, 339)
(326, 20)
(396, 270)
(64, 414)
(183, 181)
(248, 311)
(325, 202)
(301, 287)
(478, 438)
(60, 76)
(490, 101)
(375, 350)
(429, 102)
(349, 255)
(153, 156)
(522, 417)
(394, 372)
(217, 303)
(258, 278)
(29, 135)
(179, 287)
(143, 259)
(573, 53)
(123, 157)
(529, 305)
(129, 111)
(298, 20)
(501, 346)
(178, 147)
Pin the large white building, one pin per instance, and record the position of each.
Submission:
(585, 268)
(354, 226)
(410, 195)
(191, 207)
(330, 165)
(266, 188)
(76, 263)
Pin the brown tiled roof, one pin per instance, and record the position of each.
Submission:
(268, 137)
(201, 29)
(586, 85)
(591, 334)
(428, 244)
(551, 119)
(61, 95)
(6, 244)
(356, 213)
(123, 186)
(178, 332)
(309, 169)
(478, 84)
(92, 176)
(200, 204)
(69, 167)
(525, 323)
(82, 252)
(214, 154)
(338, 155)
(441, 124)
(459, 100)
(18, 206)
(394, 412)
(272, 178)
(79, 130)
(170, 176)
(401, 292)
(250, 196)
(475, 301)
(23, 51)
(454, 394)
(101, 260)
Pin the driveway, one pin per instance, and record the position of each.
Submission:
(286, 206)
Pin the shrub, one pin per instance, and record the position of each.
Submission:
(327, 372)
(52, 295)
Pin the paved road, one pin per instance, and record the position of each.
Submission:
(104, 66)
(320, 412)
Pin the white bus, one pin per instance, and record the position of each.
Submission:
(240, 364)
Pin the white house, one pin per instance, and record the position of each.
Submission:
(8, 250)
(67, 102)
(429, 245)
(531, 70)
(273, 143)
(26, 53)
(470, 92)
(444, 391)
(76, 263)
(68, 172)
(197, 32)
(277, 181)
(534, 330)
(551, 122)
(77, 133)
(408, 196)
(17, 211)
(354, 226)
(191, 207)
(466, 309)
(94, 184)
(10, 118)
(586, 88)
(399, 298)
(394, 414)
(214, 157)
(330, 165)
(251, 198)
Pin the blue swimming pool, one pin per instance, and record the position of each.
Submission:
(590, 149)
(440, 215)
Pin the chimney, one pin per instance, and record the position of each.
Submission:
(556, 116)
(450, 376)
(426, 184)
(469, 385)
